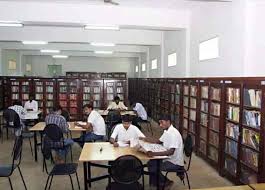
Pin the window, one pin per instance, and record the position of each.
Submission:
(172, 59)
(154, 64)
(143, 67)
(209, 49)
(136, 68)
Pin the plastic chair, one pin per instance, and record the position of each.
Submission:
(126, 171)
(188, 152)
(7, 170)
(58, 169)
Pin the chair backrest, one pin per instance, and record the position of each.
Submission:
(66, 115)
(126, 169)
(113, 117)
(12, 118)
(188, 148)
(54, 132)
(53, 138)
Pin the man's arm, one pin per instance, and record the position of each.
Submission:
(88, 127)
(169, 152)
(150, 140)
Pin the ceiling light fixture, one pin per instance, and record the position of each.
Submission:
(103, 52)
(11, 23)
(60, 56)
(102, 44)
(49, 51)
(97, 27)
(34, 42)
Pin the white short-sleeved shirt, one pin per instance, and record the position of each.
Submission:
(171, 138)
(139, 108)
(114, 106)
(122, 134)
(31, 105)
(97, 123)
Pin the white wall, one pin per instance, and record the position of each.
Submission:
(226, 20)
(143, 59)
(8, 55)
(89, 64)
(155, 53)
(175, 41)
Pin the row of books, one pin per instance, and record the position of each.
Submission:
(49, 89)
(86, 96)
(49, 104)
(233, 113)
(62, 96)
(251, 138)
(204, 106)
(213, 153)
(203, 133)
(15, 83)
(25, 89)
(203, 146)
(49, 83)
(73, 96)
(39, 83)
(204, 119)
(49, 96)
(86, 89)
(186, 101)
(25, 96)
(25, 83)
(63, 89)
(15, 96)
(252, 98)
(185, 123)
(231, 148)
(214, 123)
(39, 96)
(193, 103)
(193, 90)
(215, 109)
(247, 176)
(192, 126)
(192, 115)
(232, 130)
(110, 90)
(214, 138)
(177, 89)
(14, 89)
(63, 83)
(250, 157)
(39, 89)
(204, 91)
(231, 166)
(215, 93)
(185, 112)
(233, 95)
(186, 90)
(73, 83)
(177, 99)
(252, 118)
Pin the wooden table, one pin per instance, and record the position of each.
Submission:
(91, 153)
(260, 186)
(105, 112)
(39, 127)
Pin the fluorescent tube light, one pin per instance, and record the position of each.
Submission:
(94, 27)
(102, 44)
(103, 52)
(60, 56)
(34, 42)
(11, 23)
(49, 51)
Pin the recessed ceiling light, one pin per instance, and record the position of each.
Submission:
(60, 56)
(96, 27)
(102, 44)
(103, 52)
(35, 42)
(11, 23)
(49, 51)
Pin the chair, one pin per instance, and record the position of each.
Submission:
(54, 136)
(7, 170)
(113, 118)
(126, 171)
(58, 169)
(188, 152)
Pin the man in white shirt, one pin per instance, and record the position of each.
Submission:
(123, 133)
(31, 104)
(171, 139)
(96, 128)
(141, 114)
(116, 104)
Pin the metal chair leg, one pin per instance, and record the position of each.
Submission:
(71, 153)
(47, 181)
(187, 177)
(22, 177)
(31, 147)
(51, 182)
(143, 179)
(164, 185)
(10, 183)
(71, 182)
(77, 180)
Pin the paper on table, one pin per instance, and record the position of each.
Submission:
(77, 127)
(81, 123)
(122, 144)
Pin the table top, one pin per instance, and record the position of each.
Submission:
(105, 112)
(41, 125)
(91, 152)
(260, 186)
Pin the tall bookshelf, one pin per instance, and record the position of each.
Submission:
(1, 94)
(164, 97)
(39, 87)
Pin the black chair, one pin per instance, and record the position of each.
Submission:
(126, 171)
(57, 169)
(113, 118)
(13, 122)
(54, 136)
(7, 170)
(188, 152)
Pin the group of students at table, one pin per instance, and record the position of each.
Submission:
(123, 132)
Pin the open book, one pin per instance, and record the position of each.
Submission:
(145, 146)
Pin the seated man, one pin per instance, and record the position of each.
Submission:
(31, 104)
(124, 132)
(116, 104)
(141, 113)
(96, 129)
(56, 118)
(172, 141)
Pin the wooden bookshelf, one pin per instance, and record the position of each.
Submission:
(2, 94)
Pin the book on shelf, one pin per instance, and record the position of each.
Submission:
(15, 96)
(40, 104)
(73, 89)
(86, 89)
(39, 96)
(213, 154)
(63, 103)
(204, 119)
(232, 130)
(25, 96)
(16, 83)
(186, 90)
(73, 83)
(231, 148)
(252, 118)
(252, 98)
(73, 104)
(62, 83)
(39, 89)
(63, 89)
(215, 109)
(193, 90)
(185, 112)
(250, 157)
(193, 103)
(203, 133)
(233, 113)
(215, 93)
(119, 90)
(73, 96)
(62, 96)
(192, 115)
(96, 103)
(251, 138)
(177, 99)
(231, 166)
(204, 91)
(185, 123)
(49, 96)
(186, 101)
(96, 97)
(214, 138)
(49, 89)
(15, 89)
(39, 83)
(204, 106)
(25, 83)
(177, 89)
(96, 89)
(202, 146)
(25, 89)
(86, 96)
(233, 95)
(110, 97)
(192, 126)
(110, 90)
(121, 97)
(49, 104)
(49, 83)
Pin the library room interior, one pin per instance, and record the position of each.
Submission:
(142, 94)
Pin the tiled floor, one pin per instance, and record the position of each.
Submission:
(201, 174)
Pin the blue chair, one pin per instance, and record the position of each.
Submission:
(7, 170)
